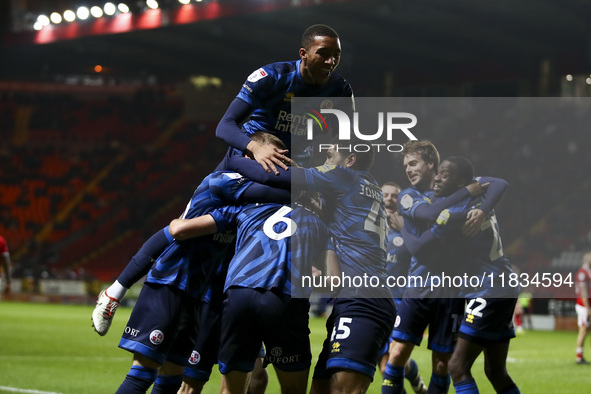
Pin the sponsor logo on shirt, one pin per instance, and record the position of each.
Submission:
(336, 347)
(276, 351)
(288, 97)
(131, 331)
(276, 356)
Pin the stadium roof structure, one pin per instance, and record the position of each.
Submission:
(429, 41)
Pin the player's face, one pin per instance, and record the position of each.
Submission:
(447, 180)
(320, 60)
(419, 173)
(335, 158)
(390, 198)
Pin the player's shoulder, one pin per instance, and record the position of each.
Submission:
(272, 71)
(335, 171)
(326, 168)
(217, 177)
(282, 67)
(339, 80)
(263, 206)
(367, 178)
(228, 175)
(411, 196)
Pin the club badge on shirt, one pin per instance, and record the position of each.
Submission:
(257, 75)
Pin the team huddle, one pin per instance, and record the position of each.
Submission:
(224, 283)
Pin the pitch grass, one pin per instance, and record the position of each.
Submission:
(52, 348)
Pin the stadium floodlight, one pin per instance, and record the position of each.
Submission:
(43, 20)
(588, 81)
(153, 4)
(69, 16)
(122, 7)
(96, 11)
(37, 26)
(569, 77)
(55, 18)
(185, 2)
(82, 13)
(110, 8)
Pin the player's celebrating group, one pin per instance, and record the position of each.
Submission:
(224, 282)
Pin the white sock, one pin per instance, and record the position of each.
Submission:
(117, 291)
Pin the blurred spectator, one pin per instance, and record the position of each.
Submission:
(6, 265)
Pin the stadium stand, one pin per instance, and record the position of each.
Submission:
(84, 181)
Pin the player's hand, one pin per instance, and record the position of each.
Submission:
(316, 272)
(269, 156)
(311, 201)
(395, 221)
(474, 220)
(477, 189)
(175, 226)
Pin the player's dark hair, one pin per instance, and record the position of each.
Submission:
(267, 139)
(364, 160)
(464, 168)
(317, 31)
(423, 148)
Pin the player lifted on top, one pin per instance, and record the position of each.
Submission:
(266, 97)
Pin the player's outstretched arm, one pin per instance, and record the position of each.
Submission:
(263, 193)
(430, 212)
(251, 170)
(182, 229)
(229, 130)
(268, 156)
(417, 244)
(494, 194)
